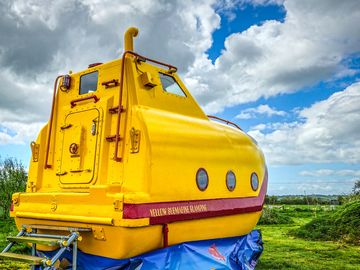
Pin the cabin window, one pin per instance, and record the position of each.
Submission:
(170, 85)
(88, 82)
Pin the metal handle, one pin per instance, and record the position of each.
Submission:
(73, 102)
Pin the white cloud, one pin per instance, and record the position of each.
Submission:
(44, 38)
(275, 58)
(41, 39)
(328, 131)
(260, 110)
(329, 172)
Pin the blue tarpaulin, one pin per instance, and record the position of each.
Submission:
(240, 252)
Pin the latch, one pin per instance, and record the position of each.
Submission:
(117, 205)
(98, 233)
(32, 186)
(135, 140)
(35, 151)
(16, 199)
(111, 83)
(147, 80)
(66, 126)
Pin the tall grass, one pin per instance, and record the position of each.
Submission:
(342, 224)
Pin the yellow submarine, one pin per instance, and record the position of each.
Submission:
(131, 161)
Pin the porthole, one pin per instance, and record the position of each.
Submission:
(254, 181)
(202, 179)
(230, 180)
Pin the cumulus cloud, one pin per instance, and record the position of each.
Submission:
(327, 131)
(41, 39)
(260, 110)
(329, 172)
(280, 57)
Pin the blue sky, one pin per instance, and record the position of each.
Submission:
(287, 179)
(286, 71)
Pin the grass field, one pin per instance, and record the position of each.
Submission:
(281, 250)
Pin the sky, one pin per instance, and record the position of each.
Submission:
(286, 71)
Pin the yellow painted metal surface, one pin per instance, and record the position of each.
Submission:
(164, 139)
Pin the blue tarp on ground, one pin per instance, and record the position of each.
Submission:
(240, 252)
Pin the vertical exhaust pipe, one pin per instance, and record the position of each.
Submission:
(128, 38)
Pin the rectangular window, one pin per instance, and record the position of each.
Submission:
(170, 85)
(88, 82)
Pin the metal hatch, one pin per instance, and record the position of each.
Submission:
(80, 130)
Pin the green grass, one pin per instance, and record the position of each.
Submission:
(7, 228)
(342, 224)
(284, 251)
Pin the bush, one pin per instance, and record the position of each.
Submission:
(342, 224)
(12, 179)
(273, 216)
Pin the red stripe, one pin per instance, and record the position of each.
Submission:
(165, 212)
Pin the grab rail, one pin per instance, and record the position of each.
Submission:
(73, 102)
(50, 124)
(122, 75)
(223, 120)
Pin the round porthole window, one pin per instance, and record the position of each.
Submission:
(230, 180)
(202, 179)
(254, 181)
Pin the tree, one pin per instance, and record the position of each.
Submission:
(356, 188)
(12, 179)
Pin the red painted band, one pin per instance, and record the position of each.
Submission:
(165, 212)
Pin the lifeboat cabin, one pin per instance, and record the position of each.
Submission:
(130, 159)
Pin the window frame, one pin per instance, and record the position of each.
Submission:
(167, 92)
(97, 82)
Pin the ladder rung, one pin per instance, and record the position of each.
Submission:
(22, 258)
(58, 228)
(112, 138)
(36, 240)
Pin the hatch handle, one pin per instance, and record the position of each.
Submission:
(73, 102)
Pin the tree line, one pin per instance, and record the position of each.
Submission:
(315, 200)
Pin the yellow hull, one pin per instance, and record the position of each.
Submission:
(122, 242)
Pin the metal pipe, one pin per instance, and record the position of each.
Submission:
(128, 38)
(224, 120)
(62, 237)
(71, 218)
(165, 230)
(7, 248)
(57, 256)
(74, 257)
(50, 124)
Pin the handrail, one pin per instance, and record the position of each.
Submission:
(50, 124)
(73, 102)
(223, 120)
(142, 58)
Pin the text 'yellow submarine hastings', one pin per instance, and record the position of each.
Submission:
(129, 156)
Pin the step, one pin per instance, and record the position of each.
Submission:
(57, 228)
(22, 258)
(37, 240)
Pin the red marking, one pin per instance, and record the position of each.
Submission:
(224, 120)
(12, 207)
(213, 208)
(214, 251)
(94, 65)
(166, 235)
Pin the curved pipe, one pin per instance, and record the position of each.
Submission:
(128, 38)
(51, 123)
